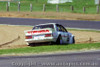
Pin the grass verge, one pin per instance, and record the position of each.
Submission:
(50, 48)
(65, 7)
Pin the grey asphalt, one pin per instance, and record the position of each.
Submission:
(66, 23)
(87, 59)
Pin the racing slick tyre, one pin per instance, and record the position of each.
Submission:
(59, 40)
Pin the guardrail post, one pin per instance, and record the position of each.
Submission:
(7, 7)
(18, 6)
(84, 9)
(72, 8)
(44, 9)
(31, 7)
(97, 8)
(57, 8)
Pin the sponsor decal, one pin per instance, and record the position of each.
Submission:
(41, 31)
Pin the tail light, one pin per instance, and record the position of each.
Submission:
(28, 37)
(48, 35)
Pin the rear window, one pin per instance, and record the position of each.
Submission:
(44, 26)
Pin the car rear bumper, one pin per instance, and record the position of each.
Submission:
(50, 39)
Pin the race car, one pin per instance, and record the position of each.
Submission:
(49, 32)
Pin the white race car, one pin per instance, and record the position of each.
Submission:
(49, 32)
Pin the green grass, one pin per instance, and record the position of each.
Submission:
(50, 48)
(38, 5)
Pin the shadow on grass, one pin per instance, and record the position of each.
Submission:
(44, 44)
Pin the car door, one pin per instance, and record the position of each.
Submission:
(65, 33)
(60, 31)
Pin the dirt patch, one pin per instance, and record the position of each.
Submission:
(9, 33)
(86, 37)
(51, 15)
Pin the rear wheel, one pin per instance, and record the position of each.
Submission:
(59, 40)
(31, 44)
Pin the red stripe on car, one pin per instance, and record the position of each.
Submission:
(41, 31)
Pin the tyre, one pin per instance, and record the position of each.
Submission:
(59, 40)
(73, 42)
(31, 44)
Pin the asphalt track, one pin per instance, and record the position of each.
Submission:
(66, 23)
(86, 59)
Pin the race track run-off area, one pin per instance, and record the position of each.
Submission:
(13, 36)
